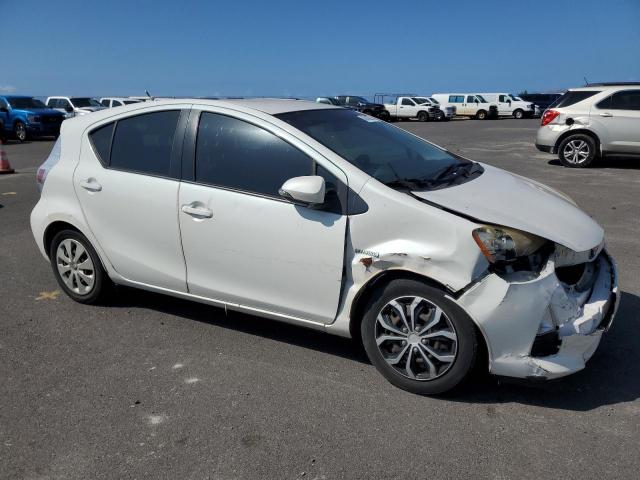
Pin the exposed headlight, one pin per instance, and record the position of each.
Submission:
(33, 118)
(503, 244)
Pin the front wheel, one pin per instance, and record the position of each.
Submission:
(481, 115)
(577, 151)
(20, 131)
(77, 268)
(518, 114)
(423, 116)
(418, 339)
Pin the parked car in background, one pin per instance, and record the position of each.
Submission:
(590, 122)
(328, 101)
(541, 100)
(405, 107)
(361, 104)
(109, 102)
(73, 106)
(333, 220)
(468, 104)
(442, 113)
(23, 117)
(509, 105)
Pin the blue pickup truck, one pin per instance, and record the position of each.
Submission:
(23, 117)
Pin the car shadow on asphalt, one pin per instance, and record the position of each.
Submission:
(611, 376)
(249, 324)
(614, 161)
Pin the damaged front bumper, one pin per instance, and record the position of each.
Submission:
(518, 311)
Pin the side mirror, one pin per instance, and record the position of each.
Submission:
(4, 109)
(509, 102)
(68, 109)
(308, 189)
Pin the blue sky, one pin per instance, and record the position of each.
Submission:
(308, 48)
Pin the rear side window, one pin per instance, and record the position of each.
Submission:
(456, 98)
(235, 154)
(101, 140)
(571, 98)
(143, 143)
(625, 100)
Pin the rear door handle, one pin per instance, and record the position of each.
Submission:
(91, 185)
(606, 114)
(200, 212)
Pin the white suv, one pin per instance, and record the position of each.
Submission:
(593, 121)
(334, 220)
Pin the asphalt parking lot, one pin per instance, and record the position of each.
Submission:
(155, 387)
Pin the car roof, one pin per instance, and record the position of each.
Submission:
(603, 87)
(271, 106)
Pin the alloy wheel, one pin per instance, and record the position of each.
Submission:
(75, 266)
(21, 132)
(416, 338)
(576, 151)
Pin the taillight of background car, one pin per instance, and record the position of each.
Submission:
(548, 116)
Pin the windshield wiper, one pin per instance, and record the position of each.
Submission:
(409, 183)
(455, 170)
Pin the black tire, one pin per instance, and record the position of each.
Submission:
(481, 115)
(102, 286)
(467, 339)
(20, 131)
(367, 112)
(519, 114)
(588, 151)
(423, 116)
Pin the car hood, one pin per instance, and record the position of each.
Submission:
(502, 198)
(38, 111)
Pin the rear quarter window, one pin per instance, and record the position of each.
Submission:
(571, 98)
(101, 141)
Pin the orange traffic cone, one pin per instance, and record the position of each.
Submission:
(5, 166)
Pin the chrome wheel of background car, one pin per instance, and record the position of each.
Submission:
(21, 131)
(75, 266)
(576, 151)
(416, 338)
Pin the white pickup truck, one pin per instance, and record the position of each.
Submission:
(443, 113)
(406, 107)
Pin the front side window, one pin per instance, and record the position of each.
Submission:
(83, 102)
(387, 153)
(471, 99)
(143, 143)
(236, 154)
(105, 103)
(502, 98)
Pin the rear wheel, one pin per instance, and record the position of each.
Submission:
(20, 131)
(418, 339)
(518, 114)
(481, 115)
(577, 151)
(77, 268)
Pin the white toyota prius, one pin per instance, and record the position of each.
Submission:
(330, 219)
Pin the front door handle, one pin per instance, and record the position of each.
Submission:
(91, 185)
(606, 114)
(200, 212)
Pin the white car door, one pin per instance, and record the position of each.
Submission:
(505, 107)
(243, 243)
(617, 121)
(407, 108)
(127, 182)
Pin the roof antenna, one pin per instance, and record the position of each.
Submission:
(148, 94)
(586, 82)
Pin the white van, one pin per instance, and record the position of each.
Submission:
(510, 105)
(468, 104)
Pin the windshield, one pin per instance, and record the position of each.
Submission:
(434, 100)
(387, 153)
(81, 102)
(25, 102)
(481, 98)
